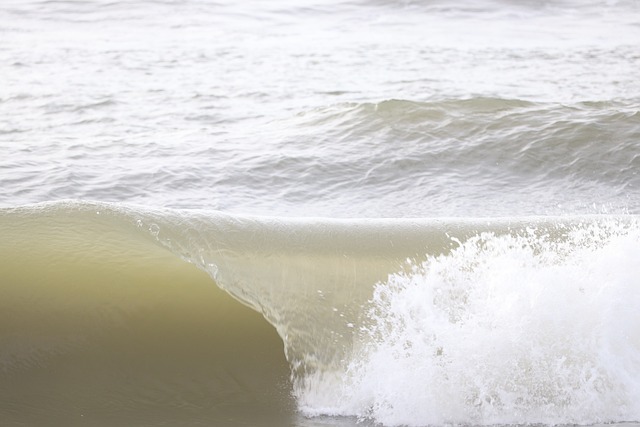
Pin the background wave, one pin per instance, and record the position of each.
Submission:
(471, 157)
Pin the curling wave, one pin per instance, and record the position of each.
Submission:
(397, 321)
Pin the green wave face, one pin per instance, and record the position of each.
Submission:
(101, 326)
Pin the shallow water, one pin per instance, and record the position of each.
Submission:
(251, 149)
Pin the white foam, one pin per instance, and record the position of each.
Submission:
(503, 330)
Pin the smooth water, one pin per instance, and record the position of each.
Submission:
(425, 212)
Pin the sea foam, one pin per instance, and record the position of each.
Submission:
(505, 329)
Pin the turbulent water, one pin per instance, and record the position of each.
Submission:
(321, 213)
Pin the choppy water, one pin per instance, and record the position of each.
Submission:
(329, 108)
(509, 130)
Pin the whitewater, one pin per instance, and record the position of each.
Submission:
(329, 213)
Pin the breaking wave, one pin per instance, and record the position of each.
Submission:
(395, 321)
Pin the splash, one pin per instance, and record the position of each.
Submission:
(505, 329)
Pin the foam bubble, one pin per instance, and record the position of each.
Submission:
(508, 329)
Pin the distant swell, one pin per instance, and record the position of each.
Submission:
(467, 157)
(521, 140)
(473, 157)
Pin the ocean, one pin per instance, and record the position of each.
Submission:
(324, 213)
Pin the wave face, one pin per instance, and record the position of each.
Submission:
(399, 322)
(100, 326)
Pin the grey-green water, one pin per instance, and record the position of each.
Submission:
(517, 119)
